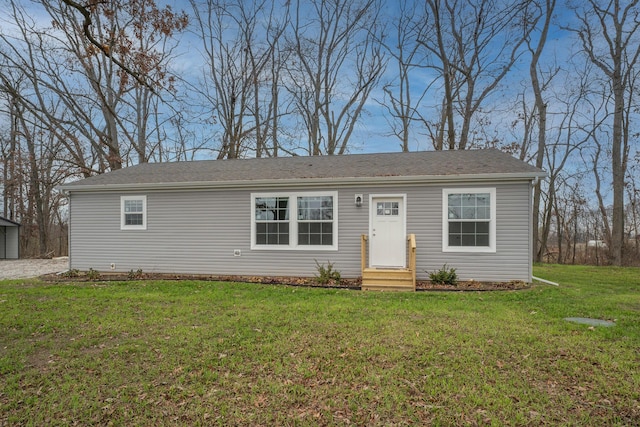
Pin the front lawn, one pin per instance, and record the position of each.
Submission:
(208, 353)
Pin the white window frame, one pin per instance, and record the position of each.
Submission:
(123, 225)
(293, 221)
(445, 220)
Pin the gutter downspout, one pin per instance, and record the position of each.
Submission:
(534, 182)
(548, 282)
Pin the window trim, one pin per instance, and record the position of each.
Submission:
(492, 221)
(293, 221)
(123, 225)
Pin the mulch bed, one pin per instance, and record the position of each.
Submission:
(473, 285)
(421, 285)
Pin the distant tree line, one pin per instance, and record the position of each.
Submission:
(89, 87)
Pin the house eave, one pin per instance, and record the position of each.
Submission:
(9, 223)
(306, 182)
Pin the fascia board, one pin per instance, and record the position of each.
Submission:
(305, 182)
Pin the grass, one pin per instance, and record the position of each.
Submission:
(206, 353)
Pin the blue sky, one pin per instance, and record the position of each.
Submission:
(372, 133)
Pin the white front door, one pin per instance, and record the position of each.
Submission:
(387, 244)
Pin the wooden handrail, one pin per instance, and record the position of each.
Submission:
(411, 246)
(411, 239)
(376, 279)
(363, 252)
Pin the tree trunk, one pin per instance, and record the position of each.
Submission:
(35, 188)
(541, 109)
(617, 218)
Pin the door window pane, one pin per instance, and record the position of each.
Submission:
(387, 209)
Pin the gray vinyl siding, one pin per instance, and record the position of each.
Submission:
(512, 259)
(198, 231)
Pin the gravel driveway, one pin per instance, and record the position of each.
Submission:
(25, 268)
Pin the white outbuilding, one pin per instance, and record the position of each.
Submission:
(9, 239)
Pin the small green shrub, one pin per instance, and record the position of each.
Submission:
(328, 274)
(93, 274)
(444, 276)
(74, 272)
(138, 274)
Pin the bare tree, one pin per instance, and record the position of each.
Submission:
(337, 61)
(547, 11)
(73, 111)
(27, 54)
(633, 209)
(610, 37)
(565, 140)
(32, 171)
(568, 206)
(472, 45)
(11, 168)
(241, 48)
(99, 95)
(133, 38)
(401, 101)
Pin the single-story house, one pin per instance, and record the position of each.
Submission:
(9, 239)
(276, 216)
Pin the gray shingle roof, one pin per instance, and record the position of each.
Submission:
(428, 164)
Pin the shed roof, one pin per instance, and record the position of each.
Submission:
(412, 166)
(5, 222)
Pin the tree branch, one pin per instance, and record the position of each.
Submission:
(86, 28)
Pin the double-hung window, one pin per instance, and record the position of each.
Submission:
(294, 221)
(469, 220)
(272, 220)
(133, 212)
(315, 220)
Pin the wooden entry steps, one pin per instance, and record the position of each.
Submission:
(378, 279)
(389, 279)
